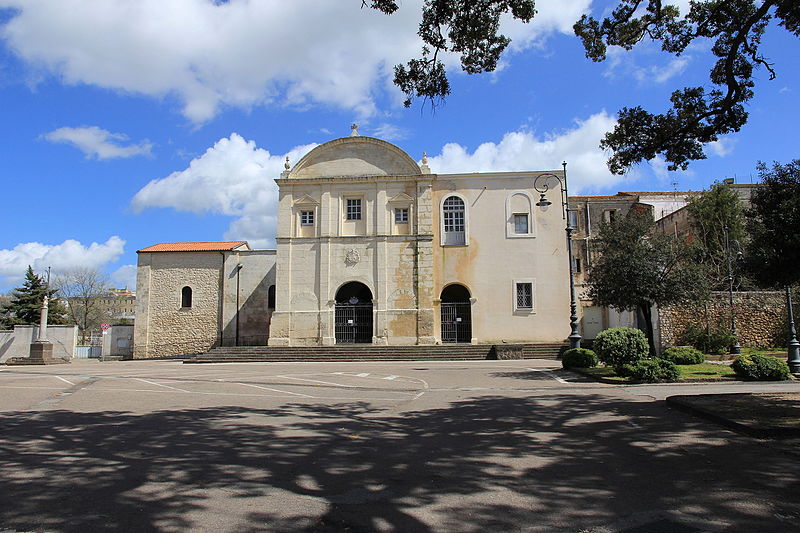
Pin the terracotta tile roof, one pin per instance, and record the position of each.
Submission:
(216, 246)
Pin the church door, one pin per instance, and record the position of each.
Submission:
(353, 314)
(456, 314)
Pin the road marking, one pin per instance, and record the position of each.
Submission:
(390, 378)
(64, 380)
(160, 385)
(276, 390)
(559, 379)
(362, 375)
(317, 381)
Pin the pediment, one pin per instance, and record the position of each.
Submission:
(305, 200)
(401, 198)
(357, 156)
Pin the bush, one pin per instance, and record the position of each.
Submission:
(760, 368)
(621, 346)
(683, 355)
(652, 370)
(579, 358)
(712, 340)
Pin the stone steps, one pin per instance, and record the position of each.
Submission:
(458, 352)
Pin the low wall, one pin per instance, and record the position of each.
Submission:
(17, 343)
(760, 317)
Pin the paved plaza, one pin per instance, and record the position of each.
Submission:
(417, 446)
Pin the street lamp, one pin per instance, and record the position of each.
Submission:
(736, 349)
(543, 183)
(793, 348)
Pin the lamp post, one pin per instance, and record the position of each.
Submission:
(736, 349)
(793, 348)
(543, 183)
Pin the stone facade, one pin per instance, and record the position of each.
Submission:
(760, 317)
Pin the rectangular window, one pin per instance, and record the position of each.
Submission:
(609, 215)
(454, 220)
(573, 219)
(354, 209)
(576, 265)
(524, 295)
(401, 215)
(306, 218)
(521, 223)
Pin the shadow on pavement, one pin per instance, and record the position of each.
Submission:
(559, 462)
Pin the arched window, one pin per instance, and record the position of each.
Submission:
(271, 297)
(186, 297)
(453, 221)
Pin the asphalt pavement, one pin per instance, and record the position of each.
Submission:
(434, 446)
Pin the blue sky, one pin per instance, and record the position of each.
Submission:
(131, 122)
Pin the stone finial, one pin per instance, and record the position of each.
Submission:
(424, 167)
(286, 165)
(354, 130)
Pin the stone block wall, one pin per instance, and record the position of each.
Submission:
(760, 317)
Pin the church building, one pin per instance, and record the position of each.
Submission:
(371, 248)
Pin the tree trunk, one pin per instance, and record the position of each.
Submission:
(645, 310)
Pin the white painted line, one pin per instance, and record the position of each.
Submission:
(64, 380)
(557, 378)
(390, 378)
(362, 375)
(160, 385)
(632, 423)
(317, 381)
(276, 390)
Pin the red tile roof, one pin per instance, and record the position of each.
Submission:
(216, 246)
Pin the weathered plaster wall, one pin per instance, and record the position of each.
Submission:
(17, 343)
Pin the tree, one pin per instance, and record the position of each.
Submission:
(26, 303)
(696, 117)
(83, 289)
(638, 268)
(711, 213)
(773, 222)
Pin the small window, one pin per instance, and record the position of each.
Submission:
(576, 265)
(609, 215)
(271, 297)
(573, 219)
(524, 295)
(306, 218)
(186, 297)
(401, 215)
(521, 223)
(354, 209)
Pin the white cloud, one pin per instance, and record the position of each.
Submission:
(62, 257)
(98, 143)
(124, 276)
(722, 147)
(234, 178)
(523, 150)
(238, 53)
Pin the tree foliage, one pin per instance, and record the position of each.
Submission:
(26, 303)
(83, 289)
(773, 221)
(637, 268)
(711, 214)
(697, 116)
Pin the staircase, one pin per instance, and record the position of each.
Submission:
(370, 352)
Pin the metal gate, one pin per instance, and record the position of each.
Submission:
(456, 322)
(353, 323)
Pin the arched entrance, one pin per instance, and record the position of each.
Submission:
(353, 314)
(456, 314)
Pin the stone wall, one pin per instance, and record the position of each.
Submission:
(760, 317)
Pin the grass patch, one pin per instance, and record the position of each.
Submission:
(705, 371)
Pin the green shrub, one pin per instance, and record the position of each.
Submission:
(620, 346)
(712, 340)
(683, 355)
(579, 358)
(652, 370)
(760, 368)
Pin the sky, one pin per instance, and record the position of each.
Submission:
(125, 123)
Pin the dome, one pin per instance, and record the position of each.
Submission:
(355, 156)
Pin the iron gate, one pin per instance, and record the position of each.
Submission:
(456, 322)
(353, 323)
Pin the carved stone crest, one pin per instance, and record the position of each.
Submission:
(352, 257)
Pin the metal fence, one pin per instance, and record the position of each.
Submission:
(88, 352)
